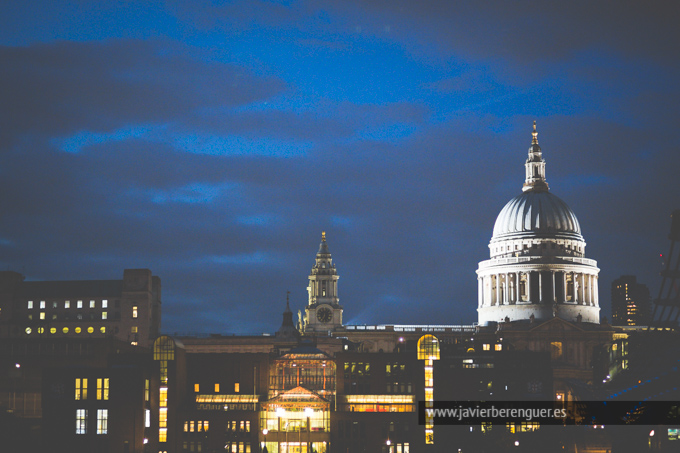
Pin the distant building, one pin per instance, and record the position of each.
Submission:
(630, 302)
(127, 309)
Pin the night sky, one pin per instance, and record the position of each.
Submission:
(214, 143)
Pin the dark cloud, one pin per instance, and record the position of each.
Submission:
(61, 88)
(526, 30)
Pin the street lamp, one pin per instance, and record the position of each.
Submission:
(264, 444)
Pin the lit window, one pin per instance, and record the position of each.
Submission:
(65, 330)
(78, 330)
(102, 421)
(163, 435)
(41, 330)
(28, 330)
(105, 303)
(134, 329)
(104, 315)
(90, 329)
(42, 304)
(146, 390)
(486, 346)
(53, 330)
(81, 389)
(81, 421)
(163, 397)
(237, 387)
(205, 425)
(79, 304)
(217, 388)
(498, 347)
(191, 426)
(147, 417)
(92, 304)
(67, 304)
(102, 329)
(54, 305)
(134, 311)
(54, 317)
(30, 304)
(163, 417)
(103, 389)
(42, 315)
(197, 388)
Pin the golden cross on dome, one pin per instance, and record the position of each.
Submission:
(534, 141)
(323, 235)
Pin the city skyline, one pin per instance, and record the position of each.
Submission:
(213, 144)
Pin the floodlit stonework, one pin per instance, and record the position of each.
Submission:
(537, 268)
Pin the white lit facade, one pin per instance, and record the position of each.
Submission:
(537, 268)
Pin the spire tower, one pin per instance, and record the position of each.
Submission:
(323, 312)
(535, 166)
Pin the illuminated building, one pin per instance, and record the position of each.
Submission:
(538, 269)
(127, 309)
(630, 302)
(105, 407)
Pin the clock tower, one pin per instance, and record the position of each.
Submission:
(323, 312)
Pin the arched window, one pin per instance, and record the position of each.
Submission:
(428, 348)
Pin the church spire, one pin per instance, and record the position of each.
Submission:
(323, 312)
(287, 329)
(535, 167)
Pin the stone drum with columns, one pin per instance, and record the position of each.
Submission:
(538, 269)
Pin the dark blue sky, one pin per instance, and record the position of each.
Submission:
(212, 144)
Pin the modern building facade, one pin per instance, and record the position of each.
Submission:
(631, 303)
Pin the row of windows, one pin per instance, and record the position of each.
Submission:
(237, 387)
(191, 426)
(79, 316)
(399, 448)
(102, 388)
(242, 426)
(79, 304)
(496, 347)
(53, 330)
(357, 369)
(399, 387)
(67, 304)
(192, 447)
(395, 369)
(102, 421)
(238, 447)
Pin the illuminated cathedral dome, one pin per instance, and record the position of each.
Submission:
(538, 268)
(536, 214)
